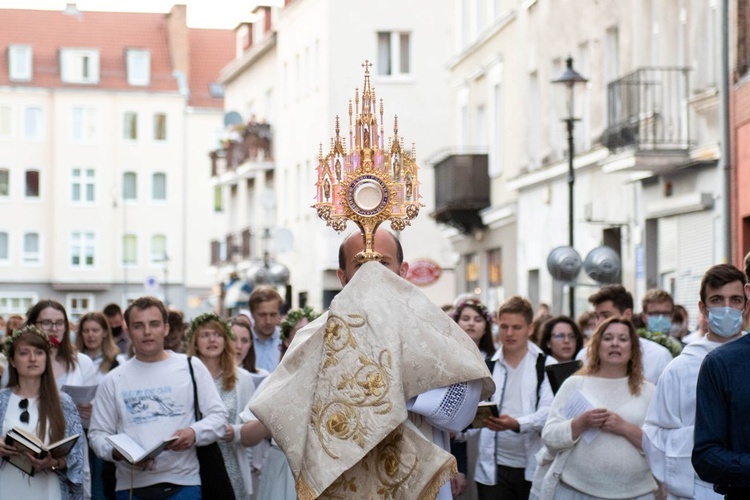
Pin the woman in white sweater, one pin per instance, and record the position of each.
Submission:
(594, 425)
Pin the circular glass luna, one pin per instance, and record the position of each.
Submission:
(368, 195)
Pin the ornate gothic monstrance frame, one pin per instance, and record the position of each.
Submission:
(370, 183)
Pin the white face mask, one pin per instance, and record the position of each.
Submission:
(725, 321)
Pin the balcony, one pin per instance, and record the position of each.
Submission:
(647, 117)
(237, 247)
(246, 144)
(462, 190)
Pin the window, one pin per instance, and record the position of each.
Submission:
(18, 303)
(218, 199)
(78, 305)
(160, 127)
(4, 182)
(533, 120)
(20, 68)
(79, 66)
(471, 273)
(83, 185)
(130, 126)
(129, 186)
(82, 250)
(83, 124)
(495, 267)
(159, 186)
(32, 184)
(33, 123)
(394, 54)
(139, 67)
(159, 249)
(31, 248)
(129, 250)
(6, 121)
(4, 248)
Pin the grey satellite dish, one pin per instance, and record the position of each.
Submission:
(602, 264)
(232, 118)
(564, 264)
(282, 240)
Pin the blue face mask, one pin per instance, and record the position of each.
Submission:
(659, 324)
(725, 321)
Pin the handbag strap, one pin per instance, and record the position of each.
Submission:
(196, 405)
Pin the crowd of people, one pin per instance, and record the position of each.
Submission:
(612, 404)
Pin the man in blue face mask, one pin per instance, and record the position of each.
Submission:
(721, 454)
(658, 308)
(668, 431)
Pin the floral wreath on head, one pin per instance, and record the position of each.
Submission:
(204, 318)
(10, 339)
(476, 304)
(294, 317)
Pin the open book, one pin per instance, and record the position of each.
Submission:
(133, 452)
(485, 409)
(24, 441)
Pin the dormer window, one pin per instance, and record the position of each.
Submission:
(138, 66)
(79, 66)
(20, 68)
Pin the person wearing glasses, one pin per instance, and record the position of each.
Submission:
(32, 402)
(561, 339)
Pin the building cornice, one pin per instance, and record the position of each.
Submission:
(235, 68)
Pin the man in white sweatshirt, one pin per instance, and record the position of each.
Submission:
(669, 426)
(150, 398)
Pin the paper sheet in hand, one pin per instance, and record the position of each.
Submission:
(576, 405)
(81, 394)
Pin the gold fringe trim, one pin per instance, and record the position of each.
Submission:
(442, 476)
(304, 492)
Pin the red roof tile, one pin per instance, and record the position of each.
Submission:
(210, 51)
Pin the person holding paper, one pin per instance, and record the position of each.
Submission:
(150, 398)
(594, 426)
(31, 402)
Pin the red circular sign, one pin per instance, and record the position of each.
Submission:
(424, 272)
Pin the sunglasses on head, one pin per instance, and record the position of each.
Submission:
(24, 405)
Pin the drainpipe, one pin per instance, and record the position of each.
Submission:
(724, 239)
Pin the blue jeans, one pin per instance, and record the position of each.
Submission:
(185, 493)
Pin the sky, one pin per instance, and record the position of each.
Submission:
(200, 13)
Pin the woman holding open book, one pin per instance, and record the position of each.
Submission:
(31, 403)
(594, 426)
(211, 339)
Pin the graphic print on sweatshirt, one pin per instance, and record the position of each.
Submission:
(148, 405)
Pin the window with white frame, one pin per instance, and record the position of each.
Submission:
(394, 53)
(31, 253)
(32, 188)
(218, 199)
(6, 121)
(82, 250)
(79, 66)
(138, 63)
(158, 249)
(32, 118)
(4, 182)
(83, 185)
(130, 126)
(160, 126)
(129, 186)
(17, 302)
(78, 304)
(159, 186)
(83, 124)
(20, 67)
(129, 250)
(533, 127)
(4, 247)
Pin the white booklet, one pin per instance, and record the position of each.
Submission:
(133, 452)
(81, 394)
(576, 405)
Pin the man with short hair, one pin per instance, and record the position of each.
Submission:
(721, 453)
(669, 427)
(150, 398)
(113, 313)
(615, 300)
(507, 445)
(658, 309)
(265, 308)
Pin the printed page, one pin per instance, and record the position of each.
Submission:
(577, 405)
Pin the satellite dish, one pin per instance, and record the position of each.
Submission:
(603, 265)
(564, 264)
(282, 240)
(232, 118)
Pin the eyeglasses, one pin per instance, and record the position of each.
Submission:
(563, 336)
(47, 324)
(24, 405)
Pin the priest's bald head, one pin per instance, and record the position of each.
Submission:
(384, 243)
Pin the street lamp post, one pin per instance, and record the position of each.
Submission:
(572, 85)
